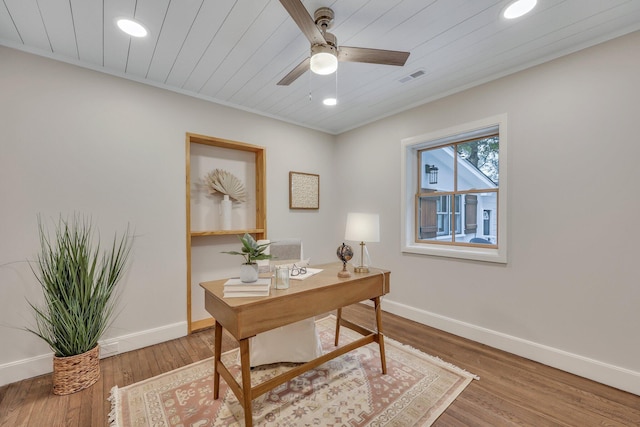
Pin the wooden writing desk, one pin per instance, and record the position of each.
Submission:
(318, 294)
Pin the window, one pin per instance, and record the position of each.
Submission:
(464, 186)
(454, 192)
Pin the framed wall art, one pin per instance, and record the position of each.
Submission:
(304, 190)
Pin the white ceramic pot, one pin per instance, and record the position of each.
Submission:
(248, 273)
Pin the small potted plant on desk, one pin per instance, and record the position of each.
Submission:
(252, 252)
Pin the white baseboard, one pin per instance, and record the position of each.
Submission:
(611, 375)
(42, 364)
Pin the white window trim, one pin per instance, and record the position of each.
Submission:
(408, 167)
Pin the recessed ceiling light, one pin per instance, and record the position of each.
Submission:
(330, 101)
(132, 27)
(518, 8)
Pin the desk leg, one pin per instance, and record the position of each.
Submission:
(339, 316)
(383, 358)
(217, 352)
(245, 365)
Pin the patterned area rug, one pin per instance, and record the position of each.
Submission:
(349, 390)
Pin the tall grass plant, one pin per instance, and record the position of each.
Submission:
(79, 283)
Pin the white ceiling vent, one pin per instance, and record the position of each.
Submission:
(413, 76)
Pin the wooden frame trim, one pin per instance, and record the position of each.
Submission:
(260, 230)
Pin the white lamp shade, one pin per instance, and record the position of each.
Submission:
(362, 227)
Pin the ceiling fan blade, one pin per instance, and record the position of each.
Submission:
(305, 22)
(299, 70)
(372, 56)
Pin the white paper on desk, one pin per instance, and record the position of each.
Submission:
(310, 272)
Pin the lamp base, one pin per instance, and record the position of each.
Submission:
(361, 269)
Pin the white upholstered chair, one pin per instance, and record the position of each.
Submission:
(296, 342)
(286, 251)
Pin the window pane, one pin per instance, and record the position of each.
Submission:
(436, 169)
(481, 219)
(435, 218)
(478, 164)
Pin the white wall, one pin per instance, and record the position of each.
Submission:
(74, 140)
(569, 295)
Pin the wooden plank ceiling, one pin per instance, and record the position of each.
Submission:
(234, 52)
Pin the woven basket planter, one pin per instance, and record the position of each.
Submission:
(75, 373)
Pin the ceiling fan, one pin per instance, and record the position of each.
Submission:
(325, 52)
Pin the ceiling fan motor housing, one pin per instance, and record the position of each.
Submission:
(324, 18)
(324, 48)
(324, 21)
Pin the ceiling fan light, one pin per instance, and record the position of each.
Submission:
(323, 59)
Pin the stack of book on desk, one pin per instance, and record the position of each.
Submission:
(235, 288)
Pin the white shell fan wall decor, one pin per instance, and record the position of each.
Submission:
(221, 181)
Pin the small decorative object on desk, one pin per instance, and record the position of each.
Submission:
(301, 273)
(249, 272)
(252, 252)
(221, 181)
(282, 277)
(345, 253)
(236, 288)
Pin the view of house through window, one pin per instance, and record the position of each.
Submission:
(457, 193)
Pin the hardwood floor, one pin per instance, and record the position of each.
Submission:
(511, 390)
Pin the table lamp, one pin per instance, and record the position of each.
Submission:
(362, 227)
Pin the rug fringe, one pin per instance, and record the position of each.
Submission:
(418, 352)
(434, 359)
(114, 398)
